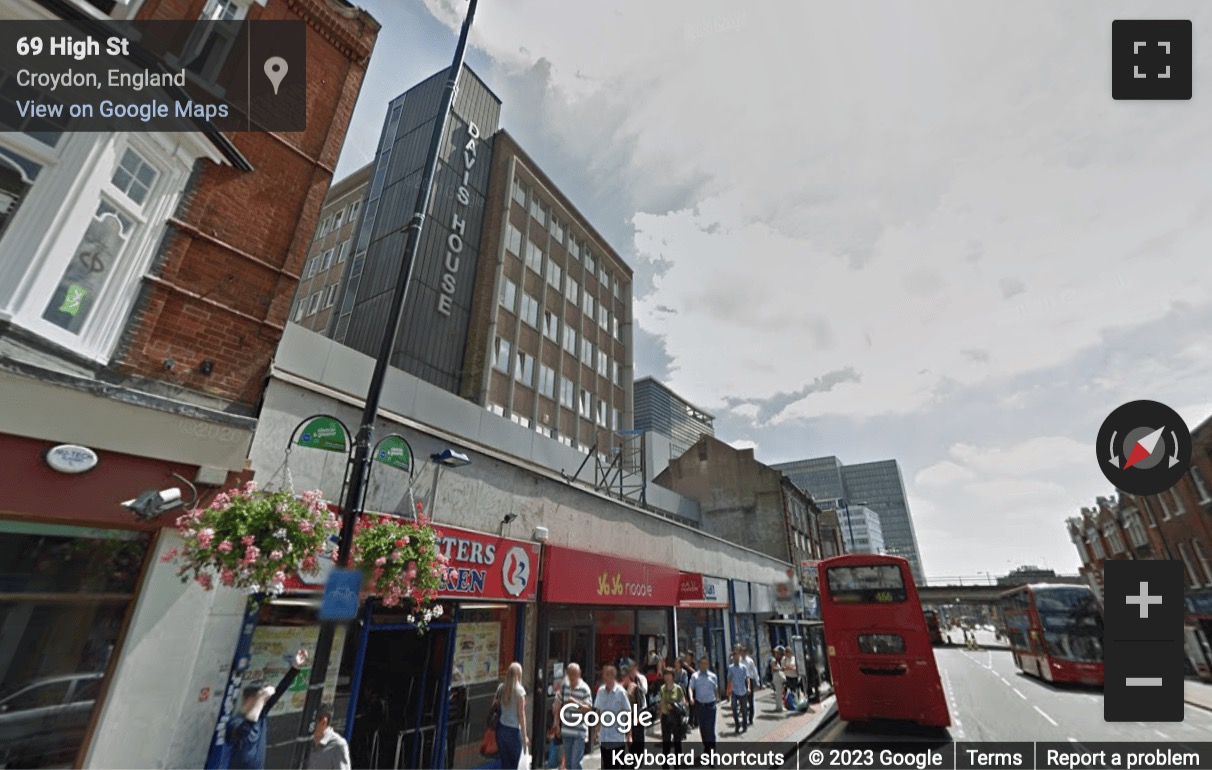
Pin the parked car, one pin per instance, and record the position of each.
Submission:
(44, 720)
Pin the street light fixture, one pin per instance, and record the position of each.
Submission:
(450, 458)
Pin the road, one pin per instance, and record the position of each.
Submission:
(991, 701)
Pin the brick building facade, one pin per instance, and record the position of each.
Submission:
(195, 241)
(1176, 524)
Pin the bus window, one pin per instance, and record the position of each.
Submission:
(881, 644)
(871, 584)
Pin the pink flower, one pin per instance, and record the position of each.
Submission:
(396, 555)
(310, 564)
(221, 501)
(224, 547)
(205, 536)
(279, 577)
(248, 540)
(169, 555)
(275, 556)
(251, 555)
(379, 562)
(250, 486)
(227, 577)
(411, 574)
(205, 581)
(305, 527)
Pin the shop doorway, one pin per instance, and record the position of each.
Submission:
(402, 698)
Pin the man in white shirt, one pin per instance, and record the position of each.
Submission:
(755, 680)
(612, 699)
(576, 694)
(329, 751)
(704, 692)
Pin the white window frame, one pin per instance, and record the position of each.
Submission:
(574, 246)
(590, 265)
(330, 296)
(1201, 486)
(603, 413)
(513, 240)
(603, 362)
(519, 192)
(547, 381)
(300, 309)
(572, 289)
(343, 251)
(502, 353)
(586, 351)
(551, 325)
(327, 261)
(354, 208)
(520, 420)
(603, 317)
(534, 256)
(585, 407)
(524, 369)
(529, 312)
(554, 274)
(47, 229)
(1192, 578)
(1161, 499)
(1179, 507)
(588, 305)
(568, 394)
(509, 295)
(570, 340)
(496, 409)
(538, 212)
(618, 421)
(313, 303)
(338, 219)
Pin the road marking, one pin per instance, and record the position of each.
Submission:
(1161, 735)
(1045, 716)
(1019, 694)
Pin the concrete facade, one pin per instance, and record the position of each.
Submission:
(745, 502)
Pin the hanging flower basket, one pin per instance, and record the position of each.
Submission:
(252, 539)
(403, 564)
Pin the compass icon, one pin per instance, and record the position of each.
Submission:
(1144, 448)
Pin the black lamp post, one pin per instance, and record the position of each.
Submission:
(359, 463)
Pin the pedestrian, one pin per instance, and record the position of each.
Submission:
(637, 690)
(673, 710)
(791, 670)
(738, 692)
(575, 699)
(611, 699)
(755, 682)
(247, 733)
(329, 751)
(778, 679)
(704, 693)
(512, 738)
(686, 669)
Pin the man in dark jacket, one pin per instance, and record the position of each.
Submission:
(249, 730)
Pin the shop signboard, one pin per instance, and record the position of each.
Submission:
(588, 577)
(740, 597)
(690, 587)
(487, 566)
(715, 592)
(759, 598)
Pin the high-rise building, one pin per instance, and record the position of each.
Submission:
(549, 342)
(660, 410)
(876, 485)
(517, 302)
(316, 298)
(859, 525)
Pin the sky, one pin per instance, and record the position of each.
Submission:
(920, 231)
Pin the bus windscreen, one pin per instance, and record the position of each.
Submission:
(873, 584)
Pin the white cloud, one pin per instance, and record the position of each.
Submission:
(943, 474)
(743, 443)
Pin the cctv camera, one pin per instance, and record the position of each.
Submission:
(150, 504)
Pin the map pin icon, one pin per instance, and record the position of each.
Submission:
(275, 70)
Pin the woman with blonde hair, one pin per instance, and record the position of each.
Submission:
(510, 701)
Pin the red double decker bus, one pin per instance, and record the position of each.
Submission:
(879, 647)
(1056, 632)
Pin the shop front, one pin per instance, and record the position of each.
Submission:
(73, 562)
(702, 620)
(599, 610)
(1199, 632)
(405, 699)
(747, 625)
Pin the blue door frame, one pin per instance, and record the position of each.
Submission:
(438, 758)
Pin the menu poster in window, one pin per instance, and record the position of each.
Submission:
(477, 653)
(273, 648)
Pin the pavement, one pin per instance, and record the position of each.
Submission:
(990, 700)
(770, 725)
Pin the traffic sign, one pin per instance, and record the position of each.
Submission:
(341, 595)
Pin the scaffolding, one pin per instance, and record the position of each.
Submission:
(621, 472)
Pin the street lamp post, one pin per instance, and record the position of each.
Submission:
(359, 462)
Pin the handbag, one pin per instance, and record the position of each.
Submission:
(494, 713)
(488, 744)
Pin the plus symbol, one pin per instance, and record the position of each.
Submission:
(1144, 600)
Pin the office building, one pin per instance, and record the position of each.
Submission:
(660, 410)
(317, 295)
(876, 485)
(517, 303)
(860, 526)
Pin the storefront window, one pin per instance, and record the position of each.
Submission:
(282, 629)
(64, 596)
(653, 629)
(701, 631)
(484, 648)
(615, 631)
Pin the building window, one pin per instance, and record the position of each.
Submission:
(1192, 580)
(539, 212)
(513, 240)
(530, 310)
(553, 274)
(338, 219)
(614, 372)
(603, 317)
(322, 229)
(617, 291)
(567, 392)
(1166, 513)
(602, 363)
(520, 420)
(572, 290)
(300, 309)
(524, 371)
(1113, 538)
(519, 192)
(1179, 508)
(330, 297)
(570, 339)
(547, 381)
(313, 304)
(343, 251)
(565, 440)
(617, 420)
(603, 409)
(551, 326)
(590, 265)
(502, 355)
(1096, 545)
(586, 352)
(557, 230)
(509, 295)
(589, 305)
(327, 263)
(586, 404)
(313, 265)
(353, 211)
(614, 328)
(1202, 555)
(534, 257)
(1201, 485)
(604, 277)
(496, 409)
(574, 248)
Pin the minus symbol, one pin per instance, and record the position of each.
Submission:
(1143, 681)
